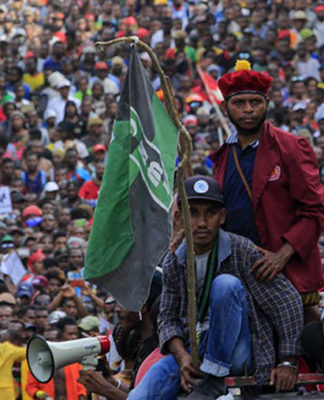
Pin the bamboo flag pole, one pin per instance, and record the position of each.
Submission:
(191, 284)
(216, 106)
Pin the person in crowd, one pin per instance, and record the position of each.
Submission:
(227, 259)
(265, 202)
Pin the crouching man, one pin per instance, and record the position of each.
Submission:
(244, 325)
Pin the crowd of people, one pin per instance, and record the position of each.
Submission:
(59, 96)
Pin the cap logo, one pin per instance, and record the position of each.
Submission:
(201, 186)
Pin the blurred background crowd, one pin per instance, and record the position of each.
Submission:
(58, 101)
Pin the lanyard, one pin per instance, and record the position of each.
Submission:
(210, 273)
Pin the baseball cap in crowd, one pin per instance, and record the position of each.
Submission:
(160, 2)
(117, 60)
(94, 120)
(49, 114)
(3, 9)
(299, 107)
(40, 281)
(28, 11)
(37, 256)
(99, 147)
(16, 229)
(17, 197)
(63, 83)
(55, 316)
(7, 298)
(89, 323)
(51, 187)
(319, 8)
(300, 14)
(32, 210)
(190, 119)
(25, 289)
(201, 187)
(203, 111)
(7, 242)
(110, 300)
(3, 225)
(142, 33)
(101, 65)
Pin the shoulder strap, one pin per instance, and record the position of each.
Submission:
(239, 170)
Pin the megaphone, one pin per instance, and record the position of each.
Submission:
(45, 357)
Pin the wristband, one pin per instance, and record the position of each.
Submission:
(40, 394)
(288, 364)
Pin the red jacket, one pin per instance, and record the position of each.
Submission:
(288, 201)
(74, 389)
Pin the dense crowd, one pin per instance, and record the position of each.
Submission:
(59, 94)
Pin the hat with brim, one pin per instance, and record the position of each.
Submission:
(89, 323)
(201, 187)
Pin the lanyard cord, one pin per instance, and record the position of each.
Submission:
(210, 273)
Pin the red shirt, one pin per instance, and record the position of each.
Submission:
(89, 190)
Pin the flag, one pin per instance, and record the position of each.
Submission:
(11, 265)
(132, 220)
(208, 88)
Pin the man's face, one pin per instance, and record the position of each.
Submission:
(100, 169)
(32, 163)
(30, 316)
(48, 223)
(76, 258)
(128, 319)
(54, 286)
(60, 242)
(247, 111)
(206, 218)
(70, 332)
(64, 216)
(109, 311)
(5, 315)
(72, 158)
(7, 169)
(42, 318)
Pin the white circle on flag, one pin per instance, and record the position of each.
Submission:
(201, 186)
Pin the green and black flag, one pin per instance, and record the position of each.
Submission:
(132, 220)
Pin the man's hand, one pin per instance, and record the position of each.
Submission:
(94, 382)
(67, 291)
(188, 372)
(267, 267)
(284, 378)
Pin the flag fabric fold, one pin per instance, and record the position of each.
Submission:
(132, 220)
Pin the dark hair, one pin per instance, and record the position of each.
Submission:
(127, 342)
(155, 289)
(63, 322)
(58, 234)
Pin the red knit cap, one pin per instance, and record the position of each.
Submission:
(244, 80)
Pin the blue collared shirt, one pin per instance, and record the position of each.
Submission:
(240, 217)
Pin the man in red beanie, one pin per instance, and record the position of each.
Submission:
(271, 187)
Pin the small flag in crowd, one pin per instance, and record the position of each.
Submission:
(132, 220)
(11, 265)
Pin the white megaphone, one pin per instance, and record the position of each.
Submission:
(45, 357)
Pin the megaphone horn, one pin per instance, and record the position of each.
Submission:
(45, 357)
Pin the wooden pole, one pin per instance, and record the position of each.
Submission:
(216, 106)
(185, 157)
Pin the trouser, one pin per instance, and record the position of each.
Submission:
(225, 347)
